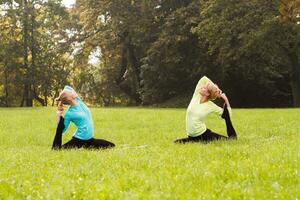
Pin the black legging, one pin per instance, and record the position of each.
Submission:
(208, 135)
(75, 142)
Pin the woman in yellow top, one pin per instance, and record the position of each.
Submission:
(200, 107)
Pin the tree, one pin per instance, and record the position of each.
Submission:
(35, 54)
(119, 32)
(290, 42)
(148, 52)
(232, 31)
(10, 55)
(171, 61)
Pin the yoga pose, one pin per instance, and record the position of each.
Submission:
(200, 107)
(80, 115)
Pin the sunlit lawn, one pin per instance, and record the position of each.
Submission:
(262, 164)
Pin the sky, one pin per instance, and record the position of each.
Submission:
(68, 3)
(95, 55)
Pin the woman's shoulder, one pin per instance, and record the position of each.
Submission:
(68, 113)
(211, 103)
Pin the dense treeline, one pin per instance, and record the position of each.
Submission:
(150, 51)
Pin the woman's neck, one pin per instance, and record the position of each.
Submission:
(73, 102)
(203, 99)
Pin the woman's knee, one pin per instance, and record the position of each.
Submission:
(100, 143)
(111, 145)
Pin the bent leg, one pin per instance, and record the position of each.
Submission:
(230, 130)
(184, 140)
(99, 144)
(57, 143)
(74, 143)
(92, 143)
(209, 136)
(201, 138)
(58, 135)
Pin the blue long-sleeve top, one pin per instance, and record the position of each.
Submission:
(81, 116)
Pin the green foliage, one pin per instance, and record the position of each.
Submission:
(170, 62)
(239, 35)
(35, 53)
(262, 164)
(150, 51)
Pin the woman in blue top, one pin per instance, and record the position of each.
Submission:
(80, 115)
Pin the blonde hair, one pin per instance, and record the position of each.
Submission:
(213, 89)
(62, 98)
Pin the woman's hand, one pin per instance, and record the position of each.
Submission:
(224, 97)
(59, 111)
(219, 91)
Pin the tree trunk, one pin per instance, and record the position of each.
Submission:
(27, 87)
(128, 58)
(46, 98)
(33, 58)
(39, 99)
(295, 85)
(55, 95)
(136, 69)
(295, 79)
(6, 74)
(22, 102)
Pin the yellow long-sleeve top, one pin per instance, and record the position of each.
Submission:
(197, 112)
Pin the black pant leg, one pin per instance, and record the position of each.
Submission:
(75, 143)
(58, 135)
(189, 139)
(209, 136)
(230, 130)
(99, 144)
(57, 143)
(184, 140)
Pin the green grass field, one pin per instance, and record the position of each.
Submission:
(262, 164)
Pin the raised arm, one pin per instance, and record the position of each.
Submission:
(59, 113)
(224, 97)
(218, 110)
(71, 90)
(201, 83)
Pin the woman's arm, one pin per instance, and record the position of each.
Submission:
(224, 97)
(201, 83)
(59, 112)
(218, 110)
(71, 90)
